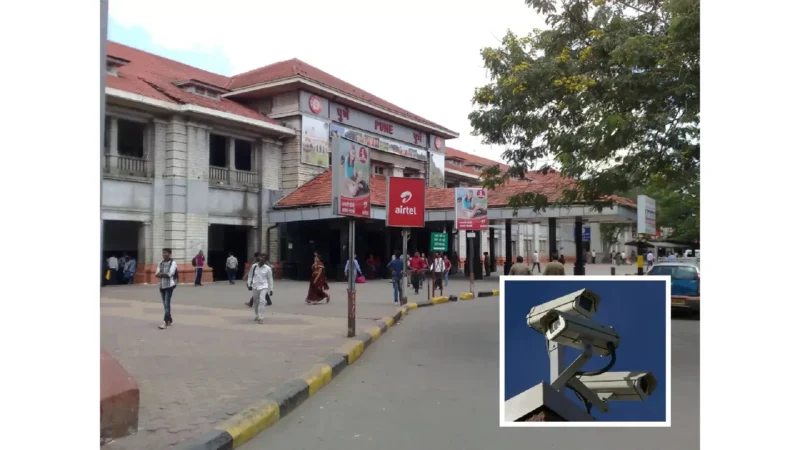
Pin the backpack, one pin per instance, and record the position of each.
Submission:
(194, 261)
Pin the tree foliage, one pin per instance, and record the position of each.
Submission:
(609, 95)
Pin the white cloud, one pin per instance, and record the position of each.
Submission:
(421, 55)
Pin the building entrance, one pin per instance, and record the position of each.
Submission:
(222, 240)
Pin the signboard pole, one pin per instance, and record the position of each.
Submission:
(404, 278)
(472, 265)
(351, 279)
(428, 279)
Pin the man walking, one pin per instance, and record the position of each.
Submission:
(167, 274)
(520, 268)
(347, 268)
(536, 262)
(232, 266)
(395, 267)
(594, 257)
(447, 266)
(113, 266)
(417, 265)
(250, 274)
(554, 267)
(260, 282)
(487, 264)
(649, 259)
(438, 272)
(199, 261)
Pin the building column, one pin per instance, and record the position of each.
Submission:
(492, 256)
(509, 251)
(476, 256)
(231, 154)
(113, 138)
(551, 240)
(579, 252)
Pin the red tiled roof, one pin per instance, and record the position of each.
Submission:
(317, 192)
(153, 76)
(469, 158)
(296, 68)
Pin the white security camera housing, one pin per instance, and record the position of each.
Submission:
(574, 331)
(582, 303)
(621, 386)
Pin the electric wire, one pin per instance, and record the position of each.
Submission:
(613, 351)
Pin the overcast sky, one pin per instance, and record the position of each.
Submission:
(423, 56)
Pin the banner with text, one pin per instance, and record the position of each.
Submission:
(379, 143)
(472, 209)
(316, 142)
(646, 215)
(405, 202)
(367, 122)
(350, 178)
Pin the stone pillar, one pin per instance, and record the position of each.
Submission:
(269, 165)
(231, 155)
(145, 257)
(509, 251)
(492, 256)
(551, 240)
(113, 138)
(476, 257)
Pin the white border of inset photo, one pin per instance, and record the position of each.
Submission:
(592, 424)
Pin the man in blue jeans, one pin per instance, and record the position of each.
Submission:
(396, 268)
(167, 274)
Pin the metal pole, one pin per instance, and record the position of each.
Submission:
(404, 278)
(351, 280)
(472, 265)
(428, 279)
(103, 53)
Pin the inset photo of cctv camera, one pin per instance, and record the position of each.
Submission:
(585, 351)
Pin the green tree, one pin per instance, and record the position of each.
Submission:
(677, 206)
(609, 95)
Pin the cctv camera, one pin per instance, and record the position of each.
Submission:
(582, 303)
(621, 385)
(574, 331)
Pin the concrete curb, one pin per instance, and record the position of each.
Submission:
(240, 428)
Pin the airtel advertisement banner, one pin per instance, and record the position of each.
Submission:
(405, 202)
(472, 209)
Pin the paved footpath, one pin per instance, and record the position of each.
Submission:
(432, 383)
(215, 360)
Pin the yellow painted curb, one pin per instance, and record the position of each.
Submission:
(374, 332)
(353, 349)
(438, 300)
(318, 376)
(403, 310)
(247, 424)
(495, 292)
(411, 305)
(389, 321)
(466, 296)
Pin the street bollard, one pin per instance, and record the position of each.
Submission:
(613, 271)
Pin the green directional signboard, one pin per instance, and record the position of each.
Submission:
(439, 242)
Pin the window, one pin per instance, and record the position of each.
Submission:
(243, 155)
(107, 136)
(130, 138)
(378, 170)
(217, 150)
(676, 272)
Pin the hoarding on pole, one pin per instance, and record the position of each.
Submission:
(472, 209)
(350, 178)
(646, 215)
(315, 146)
(405, 202)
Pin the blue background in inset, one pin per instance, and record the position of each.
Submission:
(636, 310)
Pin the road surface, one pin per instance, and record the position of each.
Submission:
(432, 382)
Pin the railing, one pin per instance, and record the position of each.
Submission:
(126, 165)
(233, 177)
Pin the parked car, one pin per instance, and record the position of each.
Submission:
(684, 282)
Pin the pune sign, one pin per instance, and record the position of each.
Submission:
(405, 202)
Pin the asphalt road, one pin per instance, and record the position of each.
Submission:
(432, 382)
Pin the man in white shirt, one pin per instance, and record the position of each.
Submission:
(347, 267)
(437, 267)
(232, 266)
(650, 258)
(536, 262)
(113, 266)
(594, 257)
(622, 255)
(167, 274)
(260, 281)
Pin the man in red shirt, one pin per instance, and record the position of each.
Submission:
(417, 265)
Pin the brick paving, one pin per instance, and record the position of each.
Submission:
(216, 360)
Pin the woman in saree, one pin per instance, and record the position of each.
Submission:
(318, 284)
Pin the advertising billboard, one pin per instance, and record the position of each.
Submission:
(405, 202)
(379, 143)
(646, 215)
(350, 178)
(316, 141)
(472, 209)
(436, 170)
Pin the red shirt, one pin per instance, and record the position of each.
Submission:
(417, 263)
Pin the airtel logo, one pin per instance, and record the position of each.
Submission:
(481, 193)
(405, 196)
